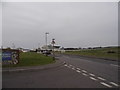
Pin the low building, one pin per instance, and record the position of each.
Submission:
(25, 50)
(57, 47)
(50, 47)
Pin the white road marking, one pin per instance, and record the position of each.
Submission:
(73, 68)
(91, 74)
(101, 78)
(92, 78)
(84, 71)
(105, 84)
(65, 65)
(114, 84)
(84, 74)
(77, 71)
(114, 65)
(78, 68)
(70, 65)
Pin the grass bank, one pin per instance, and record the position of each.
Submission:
(32, 59)
(107, 53)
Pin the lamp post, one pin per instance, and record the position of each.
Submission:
(46, 41)
(46, 38)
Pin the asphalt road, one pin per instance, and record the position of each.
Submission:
(78, 72)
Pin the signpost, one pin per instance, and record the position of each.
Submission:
(53, 42)
(6, 56)
(10, 56)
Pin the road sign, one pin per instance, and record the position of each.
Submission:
(53, 42)
(6, 56)
(10, 56)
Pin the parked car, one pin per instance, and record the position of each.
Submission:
(46, 52)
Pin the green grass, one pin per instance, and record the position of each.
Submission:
(99, 53)
(32, 59)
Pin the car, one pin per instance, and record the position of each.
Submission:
(46, 52)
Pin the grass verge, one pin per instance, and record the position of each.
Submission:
(107, 53)
(32, 59)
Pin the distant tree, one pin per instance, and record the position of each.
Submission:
(79, 48)
(89, 48)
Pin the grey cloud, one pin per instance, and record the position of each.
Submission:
(71, 24)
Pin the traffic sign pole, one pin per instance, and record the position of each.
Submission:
(53, 42)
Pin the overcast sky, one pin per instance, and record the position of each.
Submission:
(80, 24)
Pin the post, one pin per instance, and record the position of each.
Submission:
(53, 53)
(46, 41)
(53, 42)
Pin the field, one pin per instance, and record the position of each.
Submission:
(32, 59)
(107, 53)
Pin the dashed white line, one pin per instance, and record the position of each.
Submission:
(101, 78)
(114, 84)
(84, 74)
(84, 71)
(105, 84)
(77, 71)
(70, 65)
(92, 78)
(65, 65)
(78, 68)
(91, 74)
(73, 68)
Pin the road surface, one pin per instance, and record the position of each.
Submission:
(77, 72)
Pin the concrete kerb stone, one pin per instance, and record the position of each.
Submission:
(58, 63)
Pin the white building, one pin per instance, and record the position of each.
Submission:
(50, 47)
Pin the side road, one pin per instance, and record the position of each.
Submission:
(31, 68)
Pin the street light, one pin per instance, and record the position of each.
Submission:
(46, 40)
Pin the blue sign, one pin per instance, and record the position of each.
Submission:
(6, 56)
